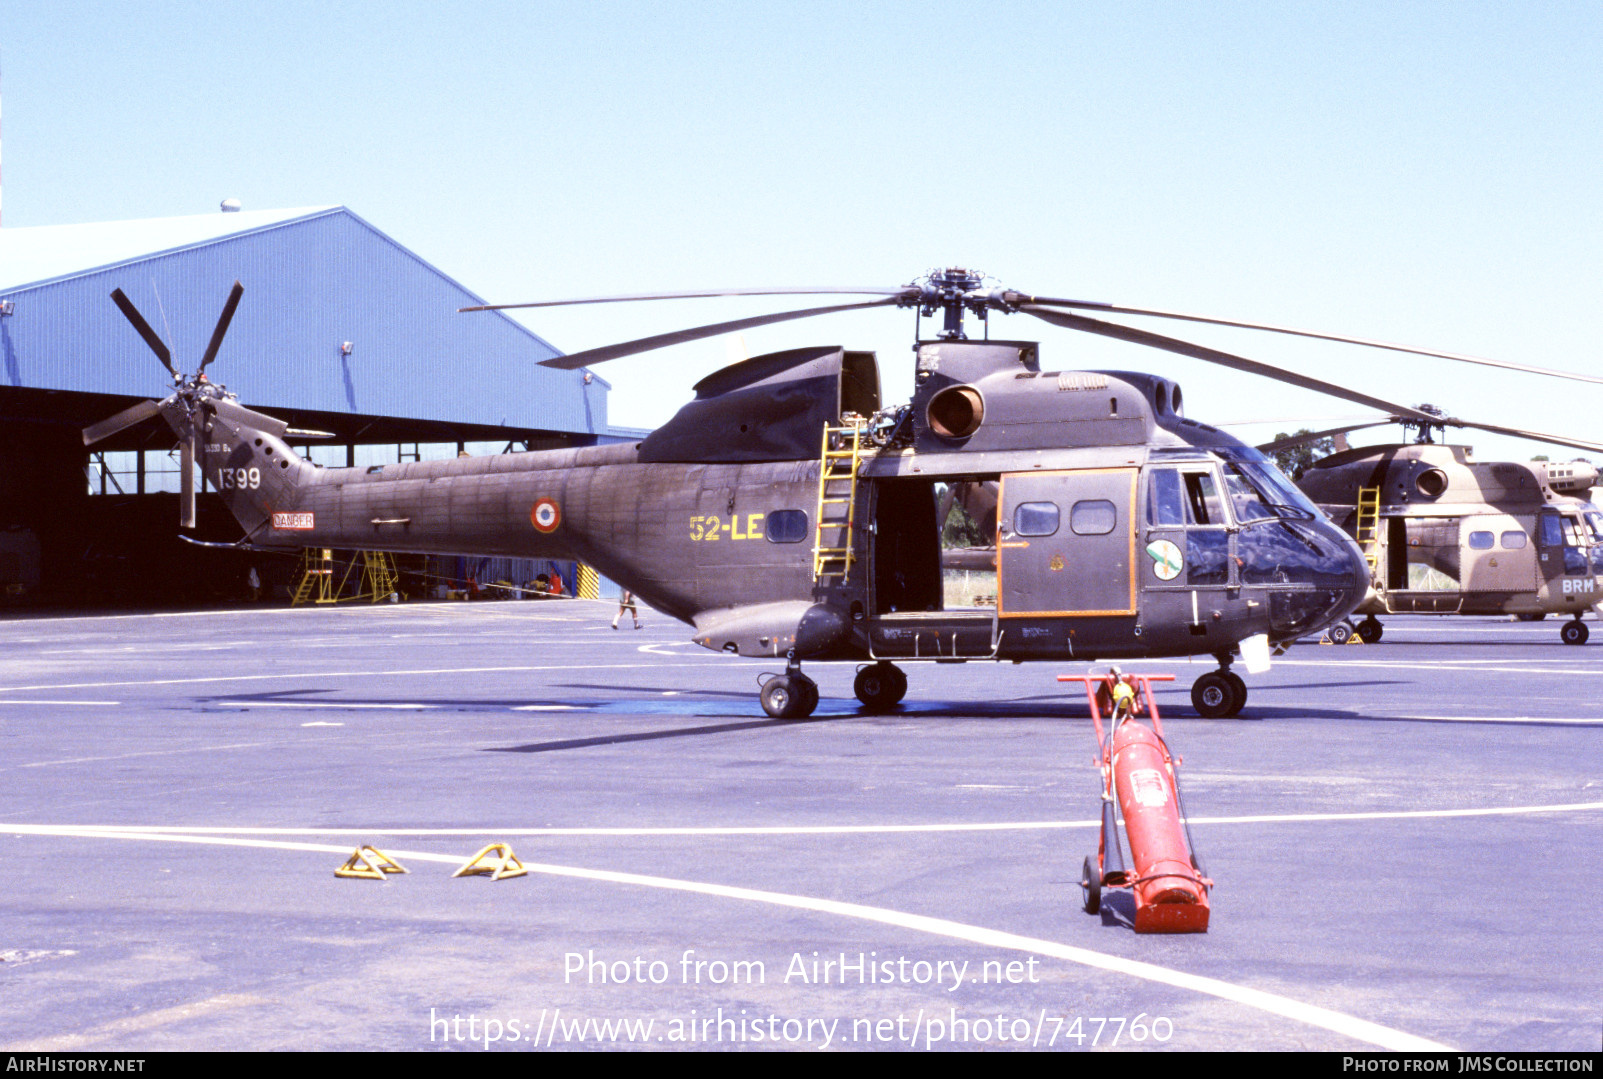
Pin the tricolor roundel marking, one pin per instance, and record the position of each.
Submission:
(546, 515)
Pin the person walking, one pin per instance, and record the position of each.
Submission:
(626, 602)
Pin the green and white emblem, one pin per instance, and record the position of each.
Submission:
(1167, 561)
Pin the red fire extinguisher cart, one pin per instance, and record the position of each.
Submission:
(1171, 891)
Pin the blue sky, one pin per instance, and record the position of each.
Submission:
(1417, 172)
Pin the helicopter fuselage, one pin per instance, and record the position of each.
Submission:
(1449, 535)
(1121, 528)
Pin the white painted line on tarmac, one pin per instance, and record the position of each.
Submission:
(83, 704)
(147, 753)
(67, 1043)
(337, 674)
(810, 829)
(1581, 721)
(1349, 1026)
(546, 708)
(407, 706)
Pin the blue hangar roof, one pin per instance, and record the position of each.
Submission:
(314, 279)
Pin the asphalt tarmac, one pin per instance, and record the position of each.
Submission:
(1405, 838)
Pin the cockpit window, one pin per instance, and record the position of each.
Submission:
(1166, 499)
(1249, 503)
(1276, 495)
(1202, 499)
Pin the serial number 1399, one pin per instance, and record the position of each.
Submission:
(241, 479)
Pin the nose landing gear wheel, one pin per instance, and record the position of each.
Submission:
(1574, 632)
(1340, 633)
(786, 696)
(1370, 629)
(880, 686)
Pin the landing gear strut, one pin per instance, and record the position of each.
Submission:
(791, 695)
(1219, 694)
(1574, 632)
(880, 686)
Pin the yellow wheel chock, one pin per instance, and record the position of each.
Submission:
(502, 865)
(369, 863)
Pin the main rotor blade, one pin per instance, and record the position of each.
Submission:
(1314, 436)
(699, 295)
(186, 483)
(1534, 436)
(576, 360)
(1115, 309)
(222, 326)
(157, 345)
(1226, 359)
(123, 420)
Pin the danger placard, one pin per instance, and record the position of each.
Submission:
(285, 522)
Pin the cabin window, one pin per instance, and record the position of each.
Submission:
(1093, 517)
(1513, 541)
(1035, 518)
(1482, 541)
(785, 526)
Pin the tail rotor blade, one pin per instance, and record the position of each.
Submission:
(222, 325)
(186, 484)
(123, 420)
(157, 345)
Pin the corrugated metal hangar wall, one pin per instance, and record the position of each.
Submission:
(340, 329)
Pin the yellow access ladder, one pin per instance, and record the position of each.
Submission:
(379, 576)
(837, 501)
(1369, 524)
(317, 576)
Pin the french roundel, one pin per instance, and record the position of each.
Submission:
(546, 515)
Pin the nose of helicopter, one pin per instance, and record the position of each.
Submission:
(1338, 574)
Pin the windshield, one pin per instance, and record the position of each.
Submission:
(1259, 492)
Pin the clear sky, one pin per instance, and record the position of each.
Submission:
(1417, 172)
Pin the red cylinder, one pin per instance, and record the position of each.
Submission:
(1169, 894)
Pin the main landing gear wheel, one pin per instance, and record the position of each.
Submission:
(1240, 686)
(790, 696)
(1341, 632)
(1218, 694)
(1091, 885)
(1574, 632)
(1370, 630)
(880, 686)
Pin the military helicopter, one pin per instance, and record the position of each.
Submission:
(1444, 534)
(785, 512)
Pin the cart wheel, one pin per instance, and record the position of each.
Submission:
(1091, 884)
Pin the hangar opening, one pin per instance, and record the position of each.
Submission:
(341, 330)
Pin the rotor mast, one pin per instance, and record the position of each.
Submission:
(952, 290)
